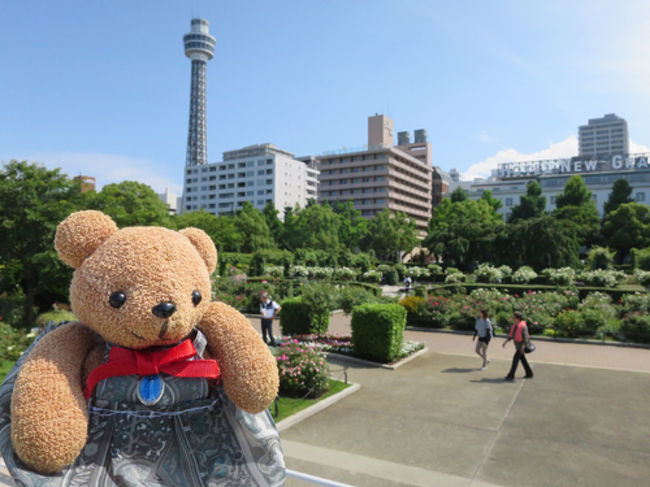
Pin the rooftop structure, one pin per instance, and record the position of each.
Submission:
(603, 136)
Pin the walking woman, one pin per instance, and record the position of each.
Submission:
(518, 333)
(483, 328)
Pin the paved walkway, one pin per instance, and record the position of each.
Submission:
(439, 421)
(584, 420)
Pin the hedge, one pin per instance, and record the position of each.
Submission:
(583, 291)
(378, 330)
(296, 318)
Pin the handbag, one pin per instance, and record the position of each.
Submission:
(529, 348)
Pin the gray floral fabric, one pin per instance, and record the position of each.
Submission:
(194, 436)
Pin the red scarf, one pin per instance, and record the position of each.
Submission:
(173, 361)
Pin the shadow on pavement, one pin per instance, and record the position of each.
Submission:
(457, 370)
(486, 380)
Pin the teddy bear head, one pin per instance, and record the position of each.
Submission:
(138, 286)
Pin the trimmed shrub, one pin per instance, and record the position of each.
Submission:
(296, 318)
(303, 370)
(371, 276)
(378, 330)
(389, 274)
(636, 327)
(524, 275)
(643, 277)
(416, 310)
(298, 271)
(600, 258)
(563, 276)
(344, 273)
(274, 270)
(506, 271)
(488, 273)
(417, 272)
(455, 278)
(602, 278)
(641, 258)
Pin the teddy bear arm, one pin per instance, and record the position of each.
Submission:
(248, 369)
(49, 421)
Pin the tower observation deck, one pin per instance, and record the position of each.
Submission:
(199, 47)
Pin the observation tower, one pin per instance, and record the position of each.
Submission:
(199, 47)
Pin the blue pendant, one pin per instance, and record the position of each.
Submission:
(150, 389)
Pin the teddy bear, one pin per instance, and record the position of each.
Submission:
(156, 385)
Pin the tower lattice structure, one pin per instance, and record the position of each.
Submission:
(199, 47)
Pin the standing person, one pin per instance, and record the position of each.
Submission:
(269, 310)
(483, 328)
(518, 333)
(407, 282)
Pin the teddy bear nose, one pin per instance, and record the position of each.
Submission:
(164, 310)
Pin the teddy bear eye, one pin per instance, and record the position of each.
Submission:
(117, 299)
(196, 298)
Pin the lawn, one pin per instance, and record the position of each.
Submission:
(288, 406)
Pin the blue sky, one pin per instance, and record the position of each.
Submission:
(102, 88)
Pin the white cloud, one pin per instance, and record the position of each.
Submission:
(109, 168)
(483, 169)
(637, 148)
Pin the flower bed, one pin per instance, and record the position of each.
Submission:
(552, 313)
(343, 345)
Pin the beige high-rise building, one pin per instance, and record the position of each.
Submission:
(380, 176)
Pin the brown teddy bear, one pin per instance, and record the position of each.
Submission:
(156, 385)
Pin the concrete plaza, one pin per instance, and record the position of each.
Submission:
(584, 420)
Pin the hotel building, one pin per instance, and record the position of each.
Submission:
(381, 175)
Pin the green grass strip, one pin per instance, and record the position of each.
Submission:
(288, 406)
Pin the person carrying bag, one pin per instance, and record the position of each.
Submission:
(519, 333)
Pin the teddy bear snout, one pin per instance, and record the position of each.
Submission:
(164, 310)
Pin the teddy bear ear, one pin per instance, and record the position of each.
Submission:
(79, 235)
(204, 246)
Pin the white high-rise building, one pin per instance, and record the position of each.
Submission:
(258, 173)
(605, 136)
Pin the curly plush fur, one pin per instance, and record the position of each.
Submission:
(149, 265)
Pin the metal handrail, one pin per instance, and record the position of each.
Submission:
(315, 480)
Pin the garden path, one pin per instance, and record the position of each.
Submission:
(439, 421)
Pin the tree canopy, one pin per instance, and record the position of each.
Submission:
(576, 208)
(621, 191)
(530, 206)
(390, 233)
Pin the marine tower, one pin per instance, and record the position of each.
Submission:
(199, 47)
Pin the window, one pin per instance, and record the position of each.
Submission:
(269, 171)
(552, 200)
(213, 178)
(640, 196)
(269, 181)
(260, 172)
(241, 164)
(250, 163)
(188, 181)
(508, 201)
(212, 187)
(260, 191)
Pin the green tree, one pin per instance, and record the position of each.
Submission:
(576, 208)
(272, 221)
(627, 227)
(530, 206)
(352, 226)
(464, 232)
(316, 227)
(130, 203)
(621, 191)
(539, 243)
(459, 194)
(389, 234)
(250, 223)
(494, 203)
(221, 229)
(33, 200)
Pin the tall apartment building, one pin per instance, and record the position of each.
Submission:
(381, 175)
(605, 136)
(258, 173)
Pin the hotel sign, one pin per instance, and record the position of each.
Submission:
(508, 170)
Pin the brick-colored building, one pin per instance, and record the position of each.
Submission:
(381, 175)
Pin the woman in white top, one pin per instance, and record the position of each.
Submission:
(483, 328)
